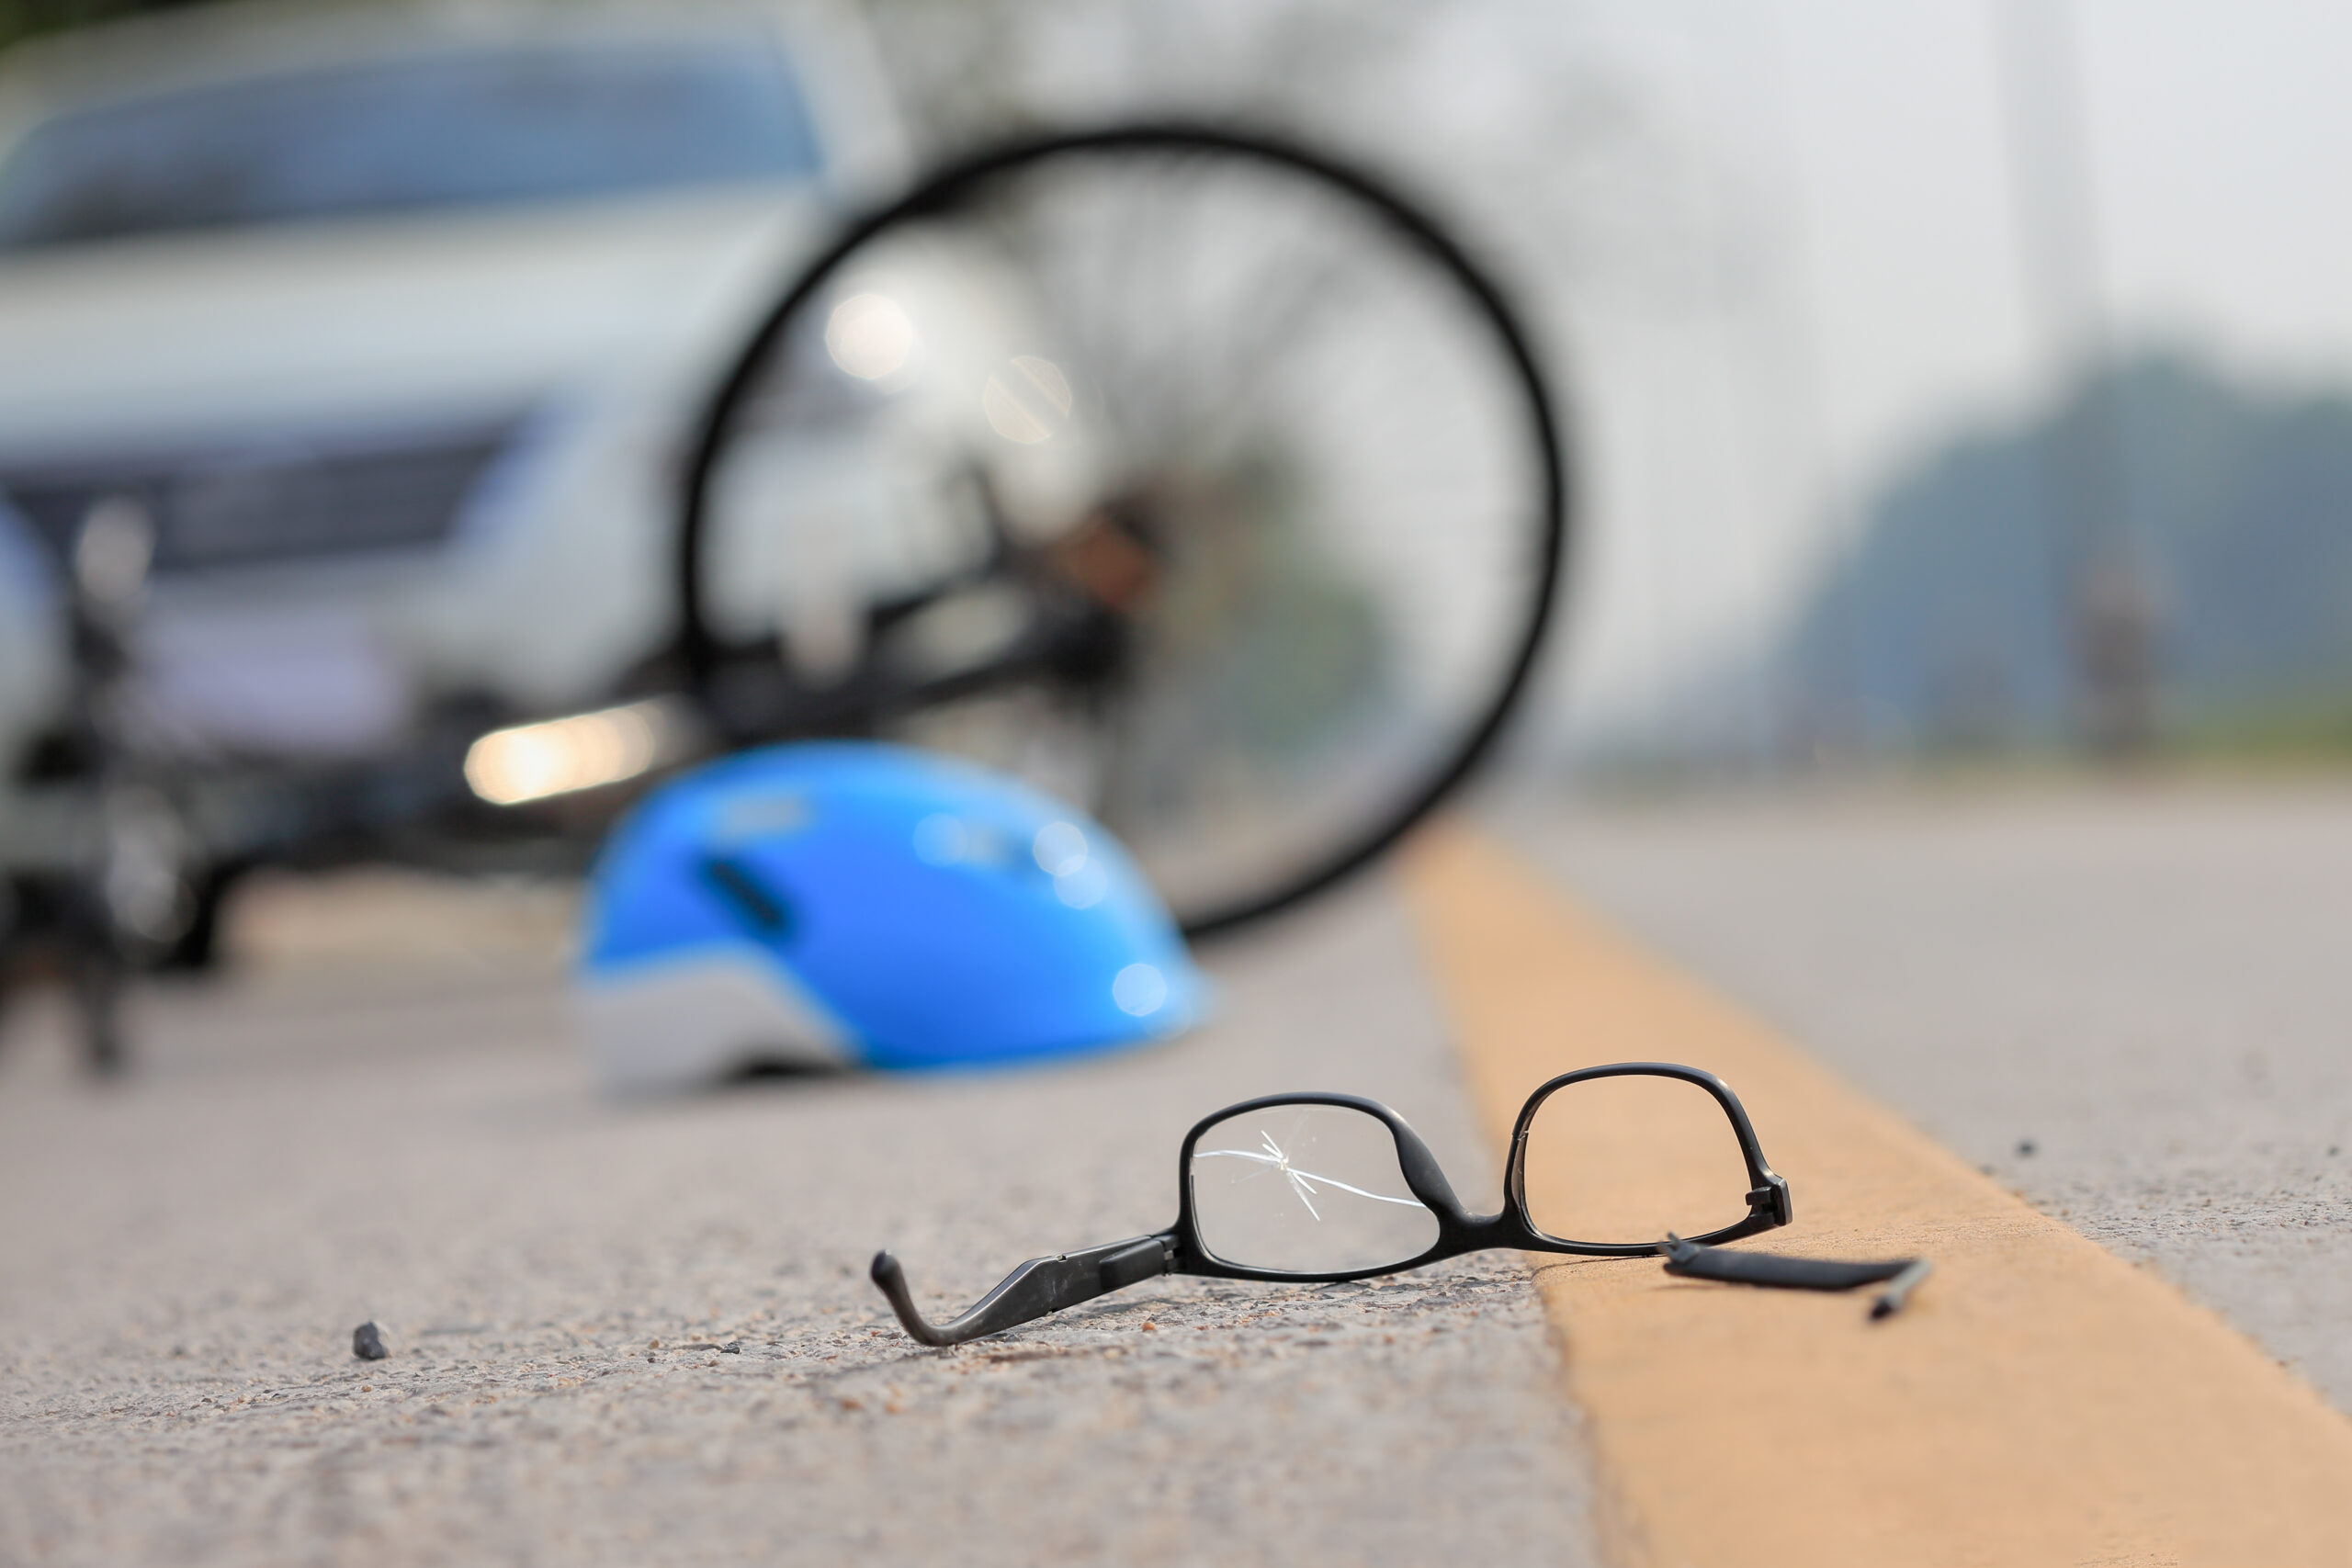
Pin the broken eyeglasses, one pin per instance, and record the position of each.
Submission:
(1313, 1188)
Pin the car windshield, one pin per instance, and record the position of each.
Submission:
(446, 130)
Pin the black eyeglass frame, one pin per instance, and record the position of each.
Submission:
(1045, 1285)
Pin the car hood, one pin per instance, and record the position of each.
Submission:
(191, 339)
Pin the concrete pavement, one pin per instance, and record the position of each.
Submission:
(384, 1118)
(2040, 1400)
(386, 1121)
(2133, 1004)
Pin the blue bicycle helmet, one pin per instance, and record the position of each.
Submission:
(847, 902)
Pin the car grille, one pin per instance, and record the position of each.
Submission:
(279, 504)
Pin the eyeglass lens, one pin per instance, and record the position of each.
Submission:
(1307, 1189)
(1623, 1160)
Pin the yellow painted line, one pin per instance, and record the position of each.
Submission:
(2039, 1401)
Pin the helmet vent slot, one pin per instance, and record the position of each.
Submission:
(756, 904)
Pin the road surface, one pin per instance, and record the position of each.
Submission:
(389, 1120)
(2133, 1004)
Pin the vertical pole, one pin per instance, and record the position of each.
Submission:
(2101, 582)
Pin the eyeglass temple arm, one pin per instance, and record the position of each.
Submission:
(1040, 1286)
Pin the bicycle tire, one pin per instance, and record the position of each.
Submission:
(699, 648)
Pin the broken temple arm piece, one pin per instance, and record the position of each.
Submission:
(1040, 1286)
(1900, 1274)
(1898, 1290)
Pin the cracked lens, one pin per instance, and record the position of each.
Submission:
(1305, 1188)
(1270, 1154)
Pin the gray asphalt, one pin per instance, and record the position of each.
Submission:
(384, 1118)
(2148, 987)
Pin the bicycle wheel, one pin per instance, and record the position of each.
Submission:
(1196, 476)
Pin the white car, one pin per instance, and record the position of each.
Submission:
(385, 326)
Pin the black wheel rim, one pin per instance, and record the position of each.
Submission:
(699, 649)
